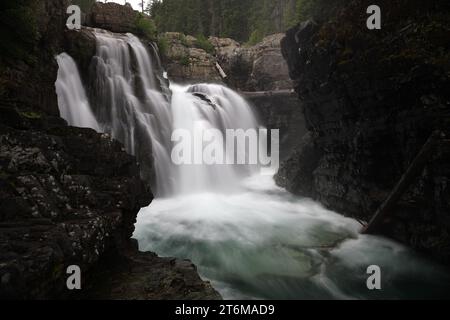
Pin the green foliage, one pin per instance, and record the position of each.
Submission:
(145, 27)
(184, 61)
(203, 43)
(183, 40)
(30, 114)
(18, 30)
(242, 20)
(255, 37)
(163, 45)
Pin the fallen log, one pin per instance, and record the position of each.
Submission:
(408, 177)
(274, 93)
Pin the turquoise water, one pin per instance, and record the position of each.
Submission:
(261, 242)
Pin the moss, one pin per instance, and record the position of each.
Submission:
(184, 61)
(30, 114)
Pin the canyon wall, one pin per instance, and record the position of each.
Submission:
(371, 99)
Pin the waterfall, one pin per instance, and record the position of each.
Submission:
(132, 102)
(245, 234)
(132, 106)
(72, 101)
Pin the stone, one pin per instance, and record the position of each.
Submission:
(184, 62)
(113, 17)
(81, 212)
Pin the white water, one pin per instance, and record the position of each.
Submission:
(251, 238)
(72, 101)
(265, 243)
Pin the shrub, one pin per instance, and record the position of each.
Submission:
(183, 40)
(184, 61)
(203, 43)
(163, 45)
(145, 27)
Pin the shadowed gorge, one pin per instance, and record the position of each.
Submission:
(144, 149)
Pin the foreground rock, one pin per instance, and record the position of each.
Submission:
(284, 113)
(70, 196)
(371, 100)
(145, 276)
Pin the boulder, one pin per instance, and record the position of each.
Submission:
(70, 196)
(113, 17)
(253, 68)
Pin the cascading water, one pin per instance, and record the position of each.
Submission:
(251, 238)
(130, 104)
(72, 101)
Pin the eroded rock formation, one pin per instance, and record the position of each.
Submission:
(113, 16)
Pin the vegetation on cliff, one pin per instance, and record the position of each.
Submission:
(248, 20)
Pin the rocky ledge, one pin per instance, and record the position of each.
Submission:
(70, 196)
(247, 68)
(371, 99)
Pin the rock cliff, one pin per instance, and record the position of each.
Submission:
(371, 99)
(247, 68)
(113, 16)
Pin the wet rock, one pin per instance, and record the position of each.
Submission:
(70, 196)
(145, 276)
(59, 193)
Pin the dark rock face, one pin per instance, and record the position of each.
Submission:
(282, 112)
(371, 99)
(145, 276)
(31, 83)
(70, 196)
